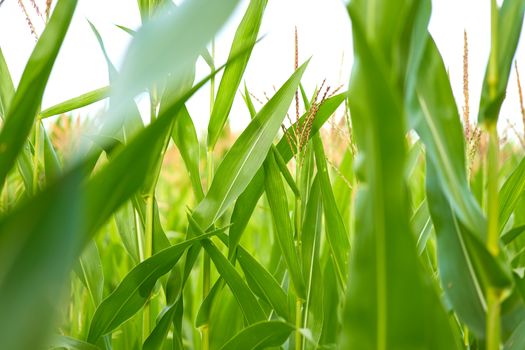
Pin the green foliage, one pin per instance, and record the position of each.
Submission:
(379, 242)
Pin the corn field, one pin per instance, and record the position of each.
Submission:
(377, 215)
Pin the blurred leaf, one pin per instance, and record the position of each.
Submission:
(38, 246)
(245, 36)
(517, 339)
(511, 235)
(260, 336)
(62, 341)
(164, 40)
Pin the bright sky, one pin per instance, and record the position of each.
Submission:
(324, 34)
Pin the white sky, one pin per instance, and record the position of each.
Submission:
(324, 33)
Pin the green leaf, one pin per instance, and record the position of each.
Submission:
(62, 341)
(434, 115)
(510, 193)
(244, 159)
(134, 290)
(260, 336)
(89, 270)
(53, 168)
(336, 233)
(511, 235)
(160, 332)
(457, 270)
(263, 281)
(76, 102)
(185, 137)
(127, 229)
(247, 201)
(26, 102)
(7, 89)
(245, 36)
(250, 307)
(517, 339)
(390, 304)
(311, 241)
(509, 25)
(283, 231)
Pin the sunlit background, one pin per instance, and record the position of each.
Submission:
(324, 35)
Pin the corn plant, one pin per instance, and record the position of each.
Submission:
(139, 234)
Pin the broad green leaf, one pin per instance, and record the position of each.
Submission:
(508, 30)
(510, 193)
(38, 246)
(24, 107)
(336, 233)
(283, 231)
(245, 36)
(134, 290)
(252, 311)
(390, 304)
(76, 102)
(244, 159)
(260, 336)
(434, 115)
(457, 270)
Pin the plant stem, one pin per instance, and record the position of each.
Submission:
(148, 250)
(493, 300)
(298, 323)
(298, 221)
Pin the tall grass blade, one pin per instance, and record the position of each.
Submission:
(245, 36)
